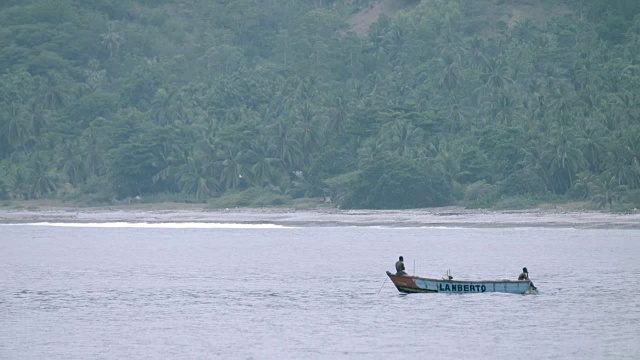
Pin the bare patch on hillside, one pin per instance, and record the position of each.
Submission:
(361, 20)
(483, 16)
(537, 13)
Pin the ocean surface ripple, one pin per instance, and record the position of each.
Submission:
(114, 292)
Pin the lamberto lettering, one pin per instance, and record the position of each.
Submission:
(461, 288)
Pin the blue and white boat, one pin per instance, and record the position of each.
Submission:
(414, 284)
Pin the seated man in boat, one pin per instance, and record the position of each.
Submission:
(524, 275)
(400, 267)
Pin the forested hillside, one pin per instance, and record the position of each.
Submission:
(474, 102)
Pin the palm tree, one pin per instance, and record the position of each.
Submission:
(586, 75)
(196, 178)
(608, 191)
(113, 40)
(565, 160)
(536, 159)
(448, 157)
(337, 114)
(631, 141)
(618, 166)
(56, 96)
(92, 149)
(403, 136)
(396, 42)
(93, 76)
(551, 80)
(504, 108)
(373, 82)
(15, 127)
(36, 117)
(17, 183)
(234, 169)
(584, 184)
(451, 74)
(562, 105)
(161, 111)
(288, 148)
(265, 165)
(494, 76)
(458, 116)
(43, 179)
(626, 108)
(613, 79)
(307, 129)
(627, 155)
(73, 165)
(74, 169)
(369, 149)
(475, 58)
(591, 142)
(592, 98)
(283, 45)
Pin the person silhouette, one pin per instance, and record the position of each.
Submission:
(400, 267)
(524, 275)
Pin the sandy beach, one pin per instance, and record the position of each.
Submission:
(433, 217)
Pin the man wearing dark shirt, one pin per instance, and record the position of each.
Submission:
(400, 267)
(524, 275)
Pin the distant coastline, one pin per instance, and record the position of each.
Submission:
(430, 217)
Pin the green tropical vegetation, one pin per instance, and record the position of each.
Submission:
(474, 102)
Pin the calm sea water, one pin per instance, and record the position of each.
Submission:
(261, 293)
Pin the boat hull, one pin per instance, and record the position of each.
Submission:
(414, 284)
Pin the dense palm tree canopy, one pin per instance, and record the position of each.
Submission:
(470, 102)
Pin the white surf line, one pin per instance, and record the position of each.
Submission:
(146, 225)
(401, 226)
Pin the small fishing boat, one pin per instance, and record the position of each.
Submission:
(414, 284)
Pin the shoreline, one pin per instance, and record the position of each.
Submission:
(331, 217)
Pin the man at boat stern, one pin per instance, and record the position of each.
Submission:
(400, 267)
(524, 275)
